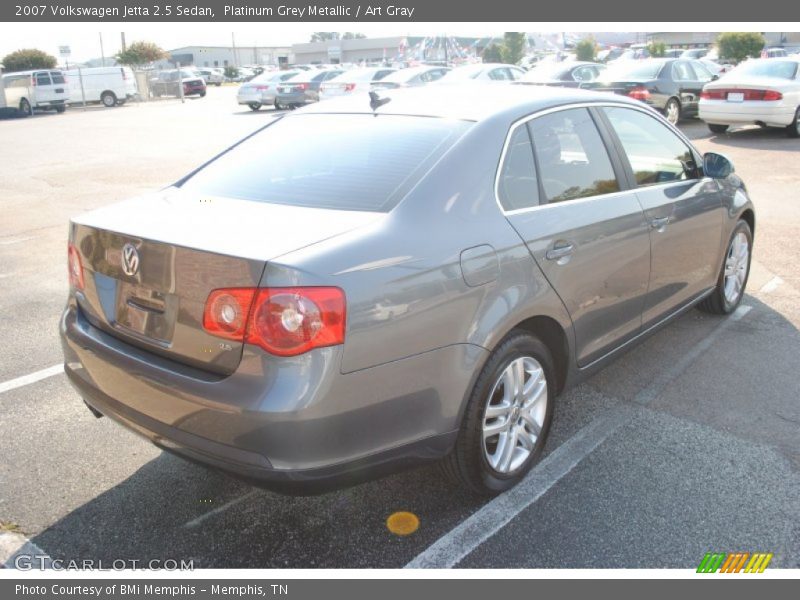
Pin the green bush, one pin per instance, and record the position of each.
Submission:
(739, 46)
(586, 50)
(231, 72)
(657, 49)
(492, 54)
(27, 60)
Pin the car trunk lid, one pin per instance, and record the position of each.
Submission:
(150, 264)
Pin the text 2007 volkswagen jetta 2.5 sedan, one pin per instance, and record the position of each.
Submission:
(370, 282)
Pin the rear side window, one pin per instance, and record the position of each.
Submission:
(346, 162)
(43, 79)
(655, 153)
(517, 186)
(571, 156)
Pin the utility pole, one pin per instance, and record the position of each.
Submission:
(102, 52)
(233, 45)
(122, 37)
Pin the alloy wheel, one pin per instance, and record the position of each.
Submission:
(673, 112)
(736, 264)
(515, 414)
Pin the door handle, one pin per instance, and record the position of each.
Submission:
(660, 223)
(560, 250)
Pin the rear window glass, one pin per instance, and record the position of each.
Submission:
(57, 77)
(43, 79)
(345, 162)
(782, 69)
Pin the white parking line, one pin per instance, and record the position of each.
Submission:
(14, 546)
(31, 378)
(459, 542)
(771, 285)
(195, 522)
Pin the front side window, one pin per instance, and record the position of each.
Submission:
(655, 153)
(571, 156)
(517, 186)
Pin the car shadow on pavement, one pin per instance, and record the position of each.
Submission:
(171, 509)
(749, 137)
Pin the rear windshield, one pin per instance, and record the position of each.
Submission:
(634, 70)
(58, 76)
(783, 69)
(337, 161)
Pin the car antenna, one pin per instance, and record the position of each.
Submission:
(375, 101)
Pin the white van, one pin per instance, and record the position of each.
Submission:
(44, 88)
(112, 86)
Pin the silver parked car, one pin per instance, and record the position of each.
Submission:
(262, 90)
(417, 283)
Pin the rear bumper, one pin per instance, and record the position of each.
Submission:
(293, 425)
(256, 98)
(298, 98)
(731, 113)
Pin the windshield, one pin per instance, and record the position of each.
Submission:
(346, 162)
(464, 73)
(632, 70)
(782, 69)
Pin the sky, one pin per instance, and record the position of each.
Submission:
(84, 38)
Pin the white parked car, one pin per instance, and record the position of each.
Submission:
(483, 72)
(42, 88)
(261, 91)
(355, 80)
(762, 91)
(411, 77)
(212, 76)
(112, 86)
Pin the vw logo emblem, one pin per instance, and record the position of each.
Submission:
(130, 260)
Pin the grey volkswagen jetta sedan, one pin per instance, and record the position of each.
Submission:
(371, 283)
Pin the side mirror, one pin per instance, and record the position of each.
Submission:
(717, 166)
(714, 77)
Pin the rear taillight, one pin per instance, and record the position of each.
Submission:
(302, 86)
(75, 268)
(262, 88)
(226, 312)
(282, 321)
(349, 87)
(639, 93)
(748, 95)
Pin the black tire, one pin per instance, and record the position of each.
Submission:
(218, 84)
(109, 99)
(467, 464)
(25, 107)
(202, 94)
(60, 108)
(254, 106)
(714, 128)
(717, 303)
(793, 130)
(673, 107)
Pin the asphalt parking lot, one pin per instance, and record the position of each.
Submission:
(688, 444)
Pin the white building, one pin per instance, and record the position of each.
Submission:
(223, 56)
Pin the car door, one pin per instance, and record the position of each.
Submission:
(585, 230)
(689, 87)
(683, 209)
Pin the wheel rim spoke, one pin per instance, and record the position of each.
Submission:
(514, 414)
(736, 266)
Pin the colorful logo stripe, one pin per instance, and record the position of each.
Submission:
(735, 562)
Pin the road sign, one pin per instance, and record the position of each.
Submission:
(64, 51)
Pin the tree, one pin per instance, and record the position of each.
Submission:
(492, 54)
(657, 49)
(350, 35)
(231, 72)
(27, 60)
(739, 46)
(586, 49)
(139, 54)
(324, 36)
(513, 48)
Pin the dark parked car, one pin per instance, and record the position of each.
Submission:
(384, 282)
(166, 83)
(563, 74)
(303, 88)
(672, 86)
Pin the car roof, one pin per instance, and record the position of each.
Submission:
(451, 102)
